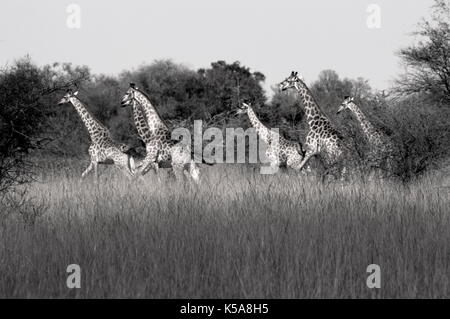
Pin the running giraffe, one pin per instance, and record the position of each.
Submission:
(322, 139)
(160, 148)
(382, 148)
(281, 153)
(103, 147)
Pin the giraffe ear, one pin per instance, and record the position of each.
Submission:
(352, 98)
(75, 93)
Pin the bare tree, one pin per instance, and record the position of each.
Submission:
(427, 63)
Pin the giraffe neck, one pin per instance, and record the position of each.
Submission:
(141, 123)
(312, 110)
(95, 129)
(260, 128)
(154, 122)
(369, 130)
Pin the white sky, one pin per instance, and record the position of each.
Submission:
(273, 37)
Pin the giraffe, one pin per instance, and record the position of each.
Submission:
(103, 148)
(382, 148)
(160, 148)
(285, 153)
(322, 139)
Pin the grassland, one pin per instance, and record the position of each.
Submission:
(239, 234)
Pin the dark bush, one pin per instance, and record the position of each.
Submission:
(24, 92)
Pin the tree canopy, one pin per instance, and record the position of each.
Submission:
(427, 62)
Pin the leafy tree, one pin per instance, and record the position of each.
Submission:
(174, 89)
(180, 93)
(286, 106)
(226, 85)
(427, 62)
(329, 90)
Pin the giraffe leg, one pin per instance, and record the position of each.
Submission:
(137, 169)
(194, 172)
(96, 169)
(149, 162)
(295, 162)
(171, 174)
(151, 159)
(189, 171)
(307, 157)
(178, 172)
(147, 165)
(274, 162)
(130, 166)
(126, 164)
(274, 166)
(183, 164)
(344, 174)
(93, 153)
(92, 165)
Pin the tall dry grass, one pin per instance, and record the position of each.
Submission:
(239, 234)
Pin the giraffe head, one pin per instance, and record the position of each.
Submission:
(348, 101)
(242, 108)
(292, 81)
(67, 98)
(129, 96)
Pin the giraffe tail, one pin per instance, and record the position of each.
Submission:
(131, 164)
